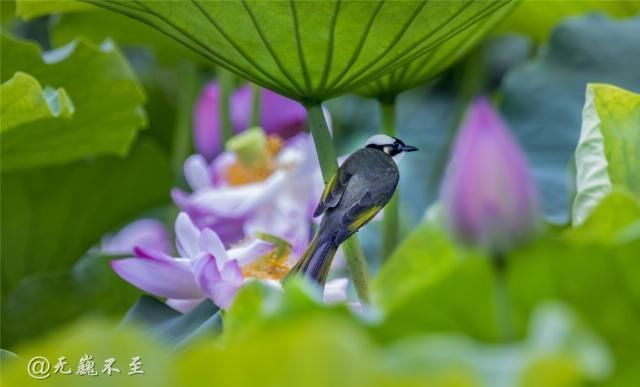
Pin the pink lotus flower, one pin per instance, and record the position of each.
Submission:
(488, 195)
(278, 200)
(278, 115)
(204, 269)
(144, 233)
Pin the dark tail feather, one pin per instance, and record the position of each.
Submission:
(315, 262)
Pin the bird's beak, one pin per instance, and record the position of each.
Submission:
(409, 148)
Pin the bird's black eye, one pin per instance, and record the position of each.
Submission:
(390, 149)
(398, 142)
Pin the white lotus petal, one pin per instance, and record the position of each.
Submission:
(187, 236)
(196, 171)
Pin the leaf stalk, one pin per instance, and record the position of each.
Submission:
(390, 222)
(327, 156)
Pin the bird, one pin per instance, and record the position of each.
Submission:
(359, 189)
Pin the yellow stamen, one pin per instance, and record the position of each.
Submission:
(274, 145)
(240, 173)
(272, 266)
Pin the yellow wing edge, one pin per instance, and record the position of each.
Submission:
(363, 218)
(328, 187)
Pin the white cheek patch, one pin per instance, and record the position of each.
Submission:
(398, 157)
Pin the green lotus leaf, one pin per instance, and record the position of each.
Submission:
(558, 350)
(599, 280)
(174, 329)
(98, 339)
(435, 61)
(428, 269)
(52, 216)
(7, 12)
(615, 218)
(608, 152)
(310, 50)
(29, 9)
(43, 302)
(107, 103)
(99, 24)
(430, 285)
(24, 100)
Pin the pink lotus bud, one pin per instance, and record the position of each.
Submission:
(488, 196)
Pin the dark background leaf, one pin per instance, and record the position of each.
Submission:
(174, 329)
(52, 216)
(43, 302)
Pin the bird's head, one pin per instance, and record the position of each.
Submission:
(392, 146)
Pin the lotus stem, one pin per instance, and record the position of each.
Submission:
(226, 89)
(390, 222)
(356, 261)
(503, 301)
(182, 145)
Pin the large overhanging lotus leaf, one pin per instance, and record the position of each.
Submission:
(433, 62)
(29, 9)
(309, 50)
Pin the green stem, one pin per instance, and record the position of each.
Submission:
(226, 87)
(390, 222)
(388, 116)
(323, 141)
(357, 264)
(182, 144)
(255, 106)
(328, 165)
(503, 301)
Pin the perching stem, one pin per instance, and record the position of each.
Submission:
(328, 165)
(357, 265)
(390, 222)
